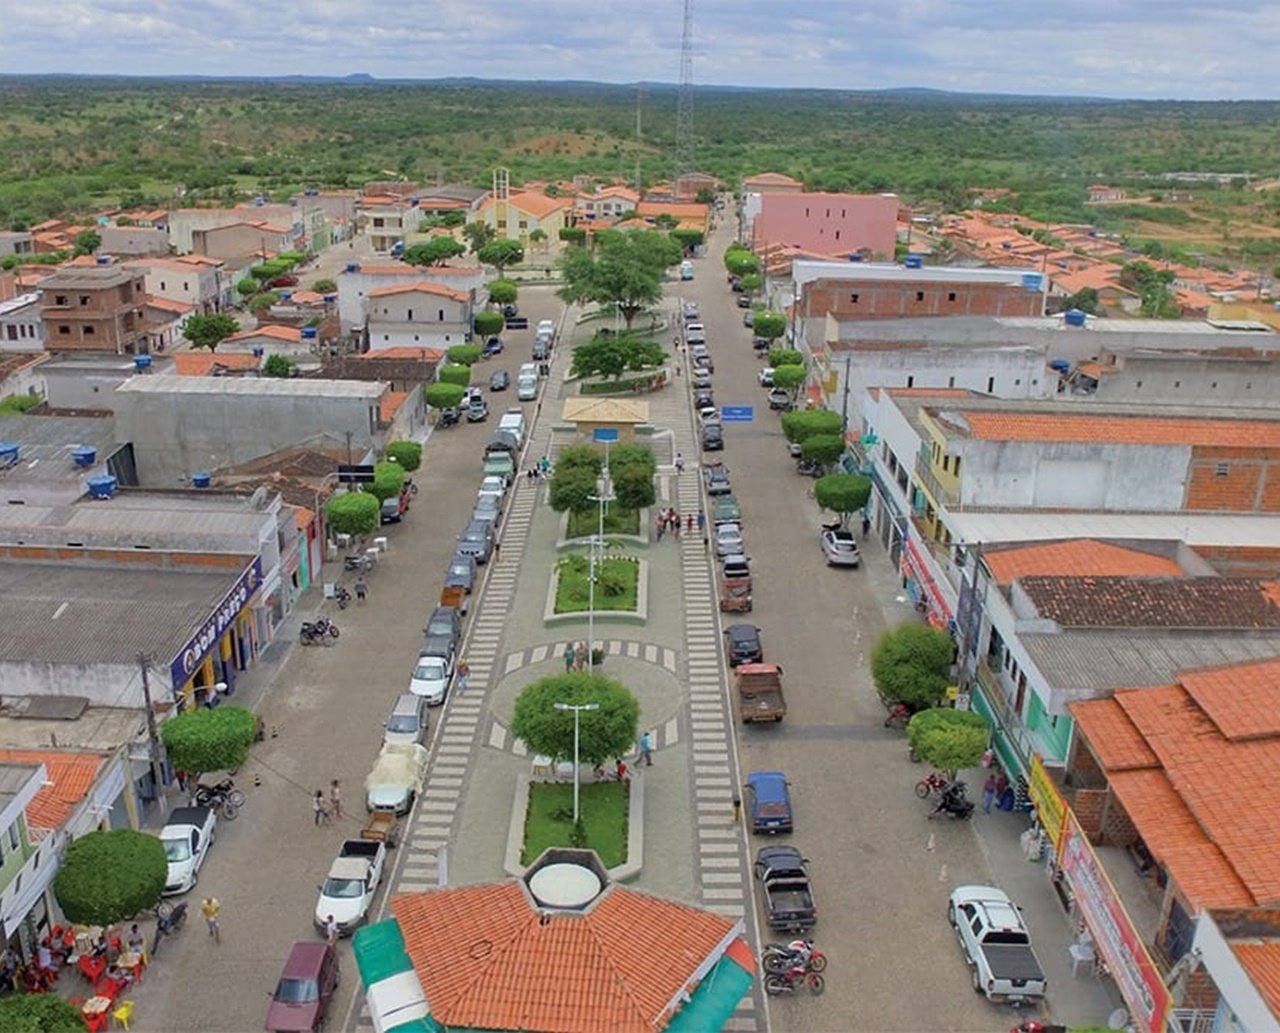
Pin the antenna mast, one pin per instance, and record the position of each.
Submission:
(639, 143)
(684, 103)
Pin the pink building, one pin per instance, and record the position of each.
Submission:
(829, 224)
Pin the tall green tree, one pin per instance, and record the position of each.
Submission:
(108, 876)
(279, 366)
(203, 740)
(911, 664)
(572, 488)
(769, 325)
(586, 457)
(739, 261)
(88, 242)
(388, 480)
(443, 395)
(790, 379)
(488, 322)
(501, 253)
(435, 251)
(353, 512)
(478, 234)
(625, 270)
(613, 356)
(633, 486)
(502, 292)
(209, 331)
(606, 732)
(949, 739)
(842, 493)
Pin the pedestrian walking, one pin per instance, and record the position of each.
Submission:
(545, 463)
(331, 930)
(688, 524)
(212, 909)
(662, 525)
(702, 520)
(335, 798)
(362, 589)
(320, 811)
(568, 657)
(679, 464)
(580, 657)
(866, 526)
(645, 752)
(464, 675)
(497, 549)
(988, 793)
(675, 524)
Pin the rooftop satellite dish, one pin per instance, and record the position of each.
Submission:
(258, 499)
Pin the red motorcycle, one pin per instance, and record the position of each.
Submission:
(792, 980)
(899, 714)
(931, 783)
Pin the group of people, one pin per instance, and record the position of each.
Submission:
(57, 948)
(324, 810)
(669, 521)
(575, 657)
(540, 470)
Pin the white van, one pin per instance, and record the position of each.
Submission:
(686, 270)
(527, 387)
(528, 369)
(694, 334)
(546, 328)
(513, 423)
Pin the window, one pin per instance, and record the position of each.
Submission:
(951, 295)
(991, 385)
(162, 285)
(89, 331)
(837, 234)
(1222, 470)
(13, 836)
(410, 316)
(64, 329)
(956, 469)
(853, 298)
(919, 295)
(441, 315)
(59, 299)
(1177, 383)
(12, 332)
(911, 381)
(951, 381)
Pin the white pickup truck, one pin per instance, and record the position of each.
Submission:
(996, 944)
(353, 880)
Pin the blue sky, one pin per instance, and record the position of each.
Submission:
(1143, 48)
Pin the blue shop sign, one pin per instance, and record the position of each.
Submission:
(191, 655)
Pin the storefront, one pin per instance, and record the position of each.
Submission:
(923, 589)
(226, 643)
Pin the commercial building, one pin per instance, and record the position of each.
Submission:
(830, 224)
(49, 460)
(95, 308)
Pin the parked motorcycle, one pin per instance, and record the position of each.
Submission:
(168, 921)
(780, 957)
(899, 714)
(223, 797)
(342, 596)
(795, 978)
(448, 417)
(361, 563)
(321, 630)
(952, 801)
(809, 468)
(934, 782)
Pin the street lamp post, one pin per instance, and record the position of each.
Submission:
(597, 544)
(577, 709)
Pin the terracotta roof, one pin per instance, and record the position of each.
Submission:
(681, 210)
(419, 286)
(404, 351)
(1190, 785)
(488, 959)
(1087, 428)
(202, 363)
(71, 776)
(390, 405)
(538, 205)
(164, 304)
(409, 270)
(1261, 960)
(1117, 601)
(300, 461)
(1077, 557)
(291, 334)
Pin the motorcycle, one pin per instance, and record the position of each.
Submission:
(779, 957)
(795, 978)
(809, 468)
(448, 417)
(224, 797)
(342, 596)
(899, 714)
(952, 801)
(168, 921)
(934, 782)
(319, 630)
(361, 563)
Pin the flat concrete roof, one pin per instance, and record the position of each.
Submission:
(20, 302)
(1046, 331)
(54, 614)
(806, 270)
(1208, 529)
(89, 276)
(45, 444)
(98, 728)
(105, 516)
(170, 384)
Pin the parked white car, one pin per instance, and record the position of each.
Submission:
(840, 548)
(186, 838)
(729, 540)
(431, 678)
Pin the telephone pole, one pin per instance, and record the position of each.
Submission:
(145, 660)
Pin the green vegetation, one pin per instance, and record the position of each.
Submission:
(465, 354)
(488, 322)
(107, 876)
(549, 821)
(19, 404)
(842, 493)
(502, 292)
(407, 453)
(949, 739)
(613, 356)
(501, 253)
(911, 664)
(40, 1013)
(352, 512)
(443, 395)
(617, 583)
(201, 739)
(280, 366)
(617, 520)
(211, 330)
(454, 373)
(435, 251)
(797, 426)
(625, 270)
(607, 732)
(388, 480)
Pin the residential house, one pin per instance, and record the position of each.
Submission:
(357, 280)
(771, 183)
(406, 371)
(828, 223)
(21, 327)
(451, 197)
(1100, 193)
(237, 241)
(418, 313)
(203, 286)
(687, 214)
(607, 203)
(165, 321)
(95, 308)
(16, 242)
(184, 222)
(291, 341)
(133, 240)
(22, 374)
(215, 364)
(388, 220)
(515, 216)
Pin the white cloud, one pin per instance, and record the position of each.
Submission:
(1097, 47)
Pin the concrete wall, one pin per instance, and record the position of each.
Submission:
(242, 239)
(177, 434)
(1005, 372)
(133, 240)
(78, 387)
(1061, 475)
(911, 297)
(1199, 380)
(183, 220)
(829, 224)
(417, 319)
(106, 685)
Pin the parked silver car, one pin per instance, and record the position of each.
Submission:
(729, 540)
(840, 548)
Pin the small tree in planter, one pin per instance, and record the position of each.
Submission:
(770, 325)
(798, 427)
(842, 493)
(388, 480)
(464, 354)
(911, 664)
(949, 739)
(502, 292)
(607, 732)
(454, 373)
(785, 357)
(442, 395)
(353, 513)
(203, 740)
(488, 323)
(108, 876)
(407, 453)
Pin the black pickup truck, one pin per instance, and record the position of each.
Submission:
(783, 874)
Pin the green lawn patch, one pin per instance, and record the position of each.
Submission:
(627, 384)
(617, 520)
(617, 584)
(603, 811)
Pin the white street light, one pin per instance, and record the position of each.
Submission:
(577, 719)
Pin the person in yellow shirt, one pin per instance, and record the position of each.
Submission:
(210, 908)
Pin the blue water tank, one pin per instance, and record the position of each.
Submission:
(102, 259)
(913, 261)
(259, 351)
(308, 333)
(201, 479)
(84, 455)
(1060, 365)
(8, 453)
(102, 487)
(142, 363)
(856, 257)
(1032, 281)
(353, 267)
(1074, 317)
(329, 299)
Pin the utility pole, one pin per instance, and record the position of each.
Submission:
(145, 660)
(844, 405)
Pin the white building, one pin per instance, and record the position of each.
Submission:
(418, 313)
(21, 328)
(356, 281)
(198, 284)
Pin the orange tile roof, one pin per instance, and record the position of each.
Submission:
(302, 517)
(1261, 961)
(200, 364)
(409, 270)
(176, 307)
(390, 405)
(1077, 557)
(1240, 699)
(291, 334)
(419, 286)
(404, 351)
(71, 776)
(539, 205)
(679, 209)
(1087, 428)
(1113, 739)
(306, 297)
(488, 959)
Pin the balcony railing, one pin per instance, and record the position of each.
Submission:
(930, 483)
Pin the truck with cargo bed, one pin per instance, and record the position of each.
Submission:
(759, 691)
(996, 945)
(347, 893)
(783, 875)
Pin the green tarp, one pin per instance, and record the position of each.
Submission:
(715, 999)
(379, 951)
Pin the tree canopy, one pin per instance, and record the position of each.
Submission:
(279, 366)
(107, 876)
(823, 449)
(949, 739)
(605, 733)
(210, 330)
(625, 270)
(842, 493)
(501, 253)
(633, 486)
(201, 739)
(790, 378)
(87, 242)
(769, 324)
(407, 453)
(388, 480)
(352, 512)
(478, 234)
(488, 322)
(455, 373)
(613, 356)
(464, 354)
(785, 357)
(443, 395)
(435, 251)
(39, 1013)
(581, 456)
(806, 423)
(502, 292)
(911, 664)
(572, 488)
(740, 261)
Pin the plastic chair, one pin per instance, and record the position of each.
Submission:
(95, 1023)
(91, 968)
(123, 1014)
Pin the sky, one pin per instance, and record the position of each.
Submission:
(1152, 49)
